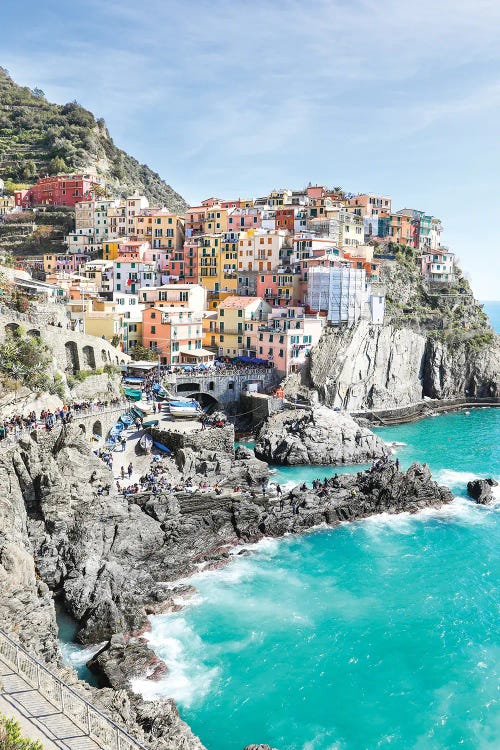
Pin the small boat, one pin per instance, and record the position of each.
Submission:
(133, 380)
(178, 408)
(132, 394)
(116, 430)
(161, 447)
(146, 443)
(151, 423)
(144, 407)
(126, 419)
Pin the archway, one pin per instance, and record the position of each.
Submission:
(104, 356)
(207, 402)
(34, 333)
(12, 328)
(72, 359)
(83, 428)
(88, 357)
(97, 429)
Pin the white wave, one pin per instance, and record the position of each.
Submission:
(188, 679)
(77, 656)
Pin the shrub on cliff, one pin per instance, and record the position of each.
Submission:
(11, 738)
(26, 360)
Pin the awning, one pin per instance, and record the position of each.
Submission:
(197, 352)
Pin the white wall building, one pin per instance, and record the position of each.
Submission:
(341, 292)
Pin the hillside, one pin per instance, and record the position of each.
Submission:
(38, 137)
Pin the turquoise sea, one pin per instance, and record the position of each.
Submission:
(384, 633)
(492, 309)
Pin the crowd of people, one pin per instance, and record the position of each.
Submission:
(47, 419)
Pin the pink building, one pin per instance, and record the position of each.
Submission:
(281, 287)
(242, 219)
(70, 263)
(287, 337)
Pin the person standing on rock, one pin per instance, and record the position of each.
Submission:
(130, 469)
(397, 464)
(123, 441)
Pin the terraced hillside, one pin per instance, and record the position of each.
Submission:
(38, 137)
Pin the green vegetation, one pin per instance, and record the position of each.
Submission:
(447, 313)
(142, 353)
(11, 738)
(39, 138)
(25, 360)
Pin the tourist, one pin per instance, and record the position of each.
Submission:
(122, 472)
(397, 464)
(123, 441)
(130, 469)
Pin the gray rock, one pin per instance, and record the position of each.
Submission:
(480, 490)
(316, 436)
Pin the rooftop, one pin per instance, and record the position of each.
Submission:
(238, 302)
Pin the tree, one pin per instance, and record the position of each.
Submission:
(38, 93)
(11, 738)
(29, 170)
(57, 165)
(142, 352)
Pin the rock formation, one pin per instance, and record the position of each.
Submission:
(382, 367)
(481, 490)
(316, 436)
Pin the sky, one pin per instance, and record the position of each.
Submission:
(233, 98)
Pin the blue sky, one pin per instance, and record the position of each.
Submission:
(234, 98)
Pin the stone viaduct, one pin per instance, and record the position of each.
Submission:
(221, 387)
(73, 351)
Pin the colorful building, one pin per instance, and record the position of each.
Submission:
(175, 334)
(287, 338)
(191, 296)
(237, 320)
(438, 266)
(58, 190)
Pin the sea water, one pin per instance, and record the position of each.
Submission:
(381, 633)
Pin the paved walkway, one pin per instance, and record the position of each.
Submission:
(39, 719)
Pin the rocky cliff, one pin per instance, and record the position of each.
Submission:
(316, 436)
(384, 367)
(436, 343)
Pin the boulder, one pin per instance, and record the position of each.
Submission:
(316, 436)
(480, 490)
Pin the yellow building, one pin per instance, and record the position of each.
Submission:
(7, 204)
(209, 328)
(216, 272)
(237, 322)
(103, 324)
(217, 220)
(110, 249)
(164, 230)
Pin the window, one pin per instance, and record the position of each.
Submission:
(153, 315)
(221, 312)
(153, 329)
(240, 313)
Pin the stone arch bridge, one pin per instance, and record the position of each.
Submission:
(73, 351)
(222, 387)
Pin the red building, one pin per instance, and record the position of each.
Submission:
(183, 265)
(58, 190)
(285, 219)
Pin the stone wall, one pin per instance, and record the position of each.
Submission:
(217, 439)
(259, 406)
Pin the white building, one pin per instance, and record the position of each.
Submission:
(341, 292)
(260, 250)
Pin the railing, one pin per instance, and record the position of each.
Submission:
(92, 722)
(14, 436)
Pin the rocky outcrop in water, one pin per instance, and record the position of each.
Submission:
(481, 490)
(316, 436)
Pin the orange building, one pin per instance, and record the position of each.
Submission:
(175, 334)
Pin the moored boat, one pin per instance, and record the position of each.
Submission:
(132, 394)
(146, 443)
(161, 447)
(126, 419)
(188, 408)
